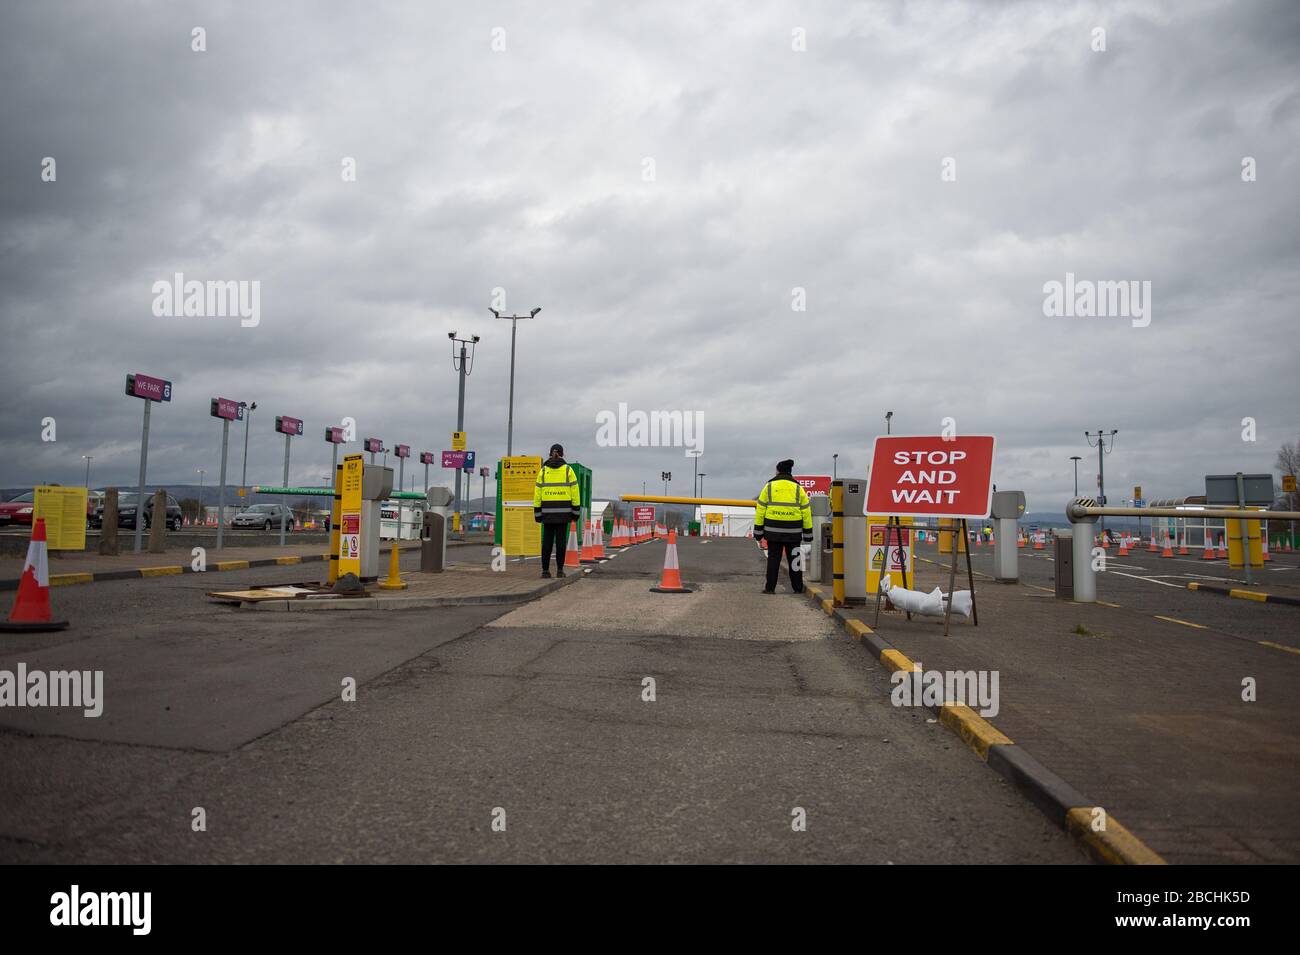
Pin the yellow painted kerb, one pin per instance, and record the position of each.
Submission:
(161, 571)
(1115, 845)
(63, 580)
(232, 565)
(975, 731)
(896, 661)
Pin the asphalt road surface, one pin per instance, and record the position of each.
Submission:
(492, 734)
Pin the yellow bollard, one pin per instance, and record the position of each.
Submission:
(394, 579)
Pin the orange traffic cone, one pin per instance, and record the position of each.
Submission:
(1038, 542)
(31, 611)
(1169, 546)
(1182, 543)
(588, 547)
(1153, 548)
(598, 545)
(1267, 558)
(1208, 553)
(1223, 548)
(1123, 545)
(572, 556)
(672, 578)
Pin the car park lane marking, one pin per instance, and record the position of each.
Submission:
(1279, 646)
(1185, 623)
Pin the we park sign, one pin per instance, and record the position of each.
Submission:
(927, 476)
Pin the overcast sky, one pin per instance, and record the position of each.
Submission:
(774, 169)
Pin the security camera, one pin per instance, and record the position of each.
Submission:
(474, 338)
(451, 335)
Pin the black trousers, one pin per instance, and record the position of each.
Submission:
(774, 549)
(554, 536)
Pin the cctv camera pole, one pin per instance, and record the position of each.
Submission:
(465, 368)
(510, 417)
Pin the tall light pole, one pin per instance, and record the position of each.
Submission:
(888, 415)
(510, 415)
(243, 480)
(1076, 459)
(694, 455)
(1102, 451)
(701, 493)
(88, 458)
(465, 367)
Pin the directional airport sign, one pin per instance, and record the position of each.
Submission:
(930, 476)
(373, 445)
(402, 451)
(334, 434)
(426, 457)
(286, 425)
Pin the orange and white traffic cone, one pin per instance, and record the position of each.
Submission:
(1123, 545)
(1169, 546)
(1182, 544)
(1153, 548)
(1267, 558)
(572, 556)
(588, 546)
(1038, 542)
(1223, 547)
(1020, 539)
(598, 545)
(671, 583)
(1208, 553)
(31, 610)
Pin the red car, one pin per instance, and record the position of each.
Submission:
(17, 511)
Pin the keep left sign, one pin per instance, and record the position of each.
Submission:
(929, 476)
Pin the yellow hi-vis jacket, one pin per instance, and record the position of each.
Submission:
(556, 498)
(782, 512)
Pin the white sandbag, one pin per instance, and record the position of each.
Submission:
(927, 605)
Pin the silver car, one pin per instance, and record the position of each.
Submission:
(265, 516)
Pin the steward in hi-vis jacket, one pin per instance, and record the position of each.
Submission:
(783, 516)
(556, 502)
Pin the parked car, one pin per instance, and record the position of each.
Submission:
(17, 511)
(126, 512)
(265, 516)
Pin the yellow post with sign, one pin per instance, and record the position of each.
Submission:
(1254, 543)
(945, 540)
(458, 441)
(350, 516)
(521, 535)
(64, 511)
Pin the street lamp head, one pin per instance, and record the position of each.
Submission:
(534, 312)
(451, 335)
(495, 313)
(474, 338)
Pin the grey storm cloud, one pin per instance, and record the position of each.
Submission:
(774, 170)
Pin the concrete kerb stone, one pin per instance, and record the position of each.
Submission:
(380, 602)
(136, 573)
(1055, 798)
(1240, 594)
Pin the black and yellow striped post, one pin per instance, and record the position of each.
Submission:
(837, 543)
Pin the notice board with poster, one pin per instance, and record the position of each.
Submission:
(350, 515)
(877, 528)
(64, 511)
(519, 534)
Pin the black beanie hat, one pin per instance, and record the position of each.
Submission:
(785, 467)
(558, 450)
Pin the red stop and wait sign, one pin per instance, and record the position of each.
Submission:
(929, 476)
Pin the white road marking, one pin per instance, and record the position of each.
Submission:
(1150, 580)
